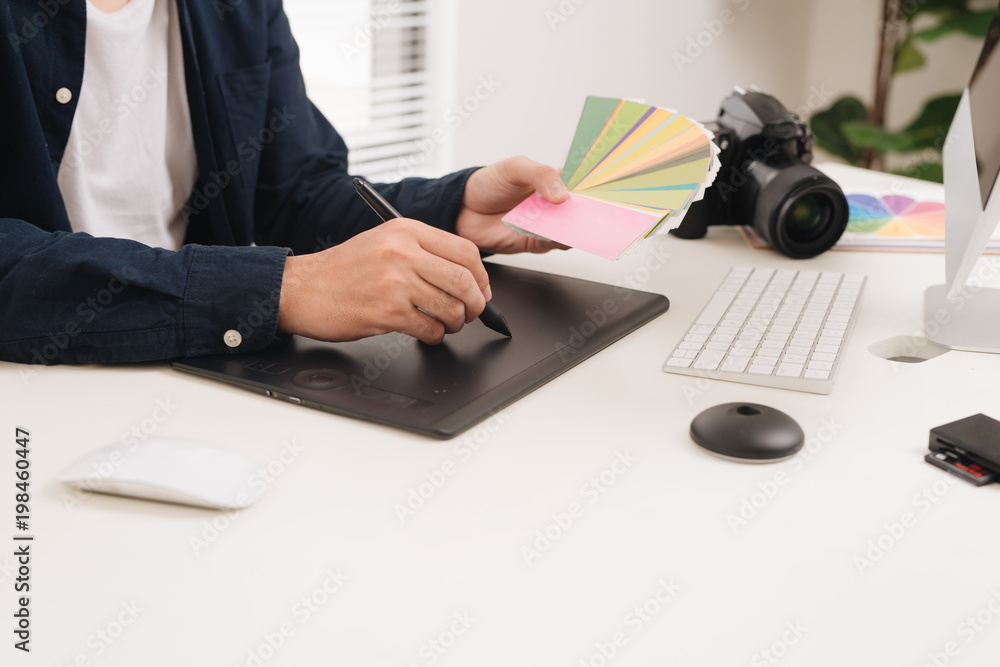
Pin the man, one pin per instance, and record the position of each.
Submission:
(148, 143)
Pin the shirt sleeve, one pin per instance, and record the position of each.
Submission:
(73, 298)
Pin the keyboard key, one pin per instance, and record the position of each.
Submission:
(773, 345)
(715, 309)
(794, 359)
(765, 361)
(799, 349)
(695, 338)
(760, 370)
(747, 335)
(820, 365)
(677, 362)
(829, 340)
(741, 352)
(781, 337)
(709, 360)
(722, 338)
(717, 347)
(769, 352)
(820, 356)
(828, 349)
(816, 375)
(735, 364)
(727, 331)
(689, 346)
(789, 370)
(701, 329)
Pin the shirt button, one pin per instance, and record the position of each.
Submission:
(233, 338)
(64, 95)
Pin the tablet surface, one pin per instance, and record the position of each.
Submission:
(441, 390)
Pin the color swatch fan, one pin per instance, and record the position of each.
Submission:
(633, 170)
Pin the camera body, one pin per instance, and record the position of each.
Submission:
(765, 180)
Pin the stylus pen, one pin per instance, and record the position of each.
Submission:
(491, 316)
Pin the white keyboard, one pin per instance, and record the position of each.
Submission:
(785, 329)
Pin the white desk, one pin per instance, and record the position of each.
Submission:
(663, 519)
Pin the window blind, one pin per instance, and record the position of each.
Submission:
(365, 65)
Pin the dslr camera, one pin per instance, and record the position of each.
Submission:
(765, 180)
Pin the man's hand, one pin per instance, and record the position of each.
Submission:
(493, 191)
(376, 282)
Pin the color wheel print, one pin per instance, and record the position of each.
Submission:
(894, 215)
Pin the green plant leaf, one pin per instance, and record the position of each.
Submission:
(827, 127)
(927, 130)
(869, 136)
(942, 8)
(930, 127)
(908, 57)
(973, 24)
(927, 171)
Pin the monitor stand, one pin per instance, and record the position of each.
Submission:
(963, 314)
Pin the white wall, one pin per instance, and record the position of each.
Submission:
(802, 51)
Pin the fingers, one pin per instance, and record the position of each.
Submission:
(544, 180)
(424, 328)
(459, 298)
(458, 251)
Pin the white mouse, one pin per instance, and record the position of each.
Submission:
(171, 470)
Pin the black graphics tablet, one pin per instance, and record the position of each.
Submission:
(441, 390)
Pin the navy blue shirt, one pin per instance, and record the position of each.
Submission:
(272, 172)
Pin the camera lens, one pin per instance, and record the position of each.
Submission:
(808, 217)
(799, 210)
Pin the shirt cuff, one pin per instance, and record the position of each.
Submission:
(232, 298)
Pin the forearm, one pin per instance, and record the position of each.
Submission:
(324, 210)
(72, 298)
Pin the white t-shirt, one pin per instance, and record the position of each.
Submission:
(130, 164)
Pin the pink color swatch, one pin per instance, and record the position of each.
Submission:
(594, 226)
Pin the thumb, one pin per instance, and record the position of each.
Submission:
(547, 183)
(541, 178)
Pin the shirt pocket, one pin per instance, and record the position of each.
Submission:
(245, 95)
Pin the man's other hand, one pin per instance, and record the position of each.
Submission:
(493, 191)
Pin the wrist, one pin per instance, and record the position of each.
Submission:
(291, 286)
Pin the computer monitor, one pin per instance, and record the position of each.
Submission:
(963, 314)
